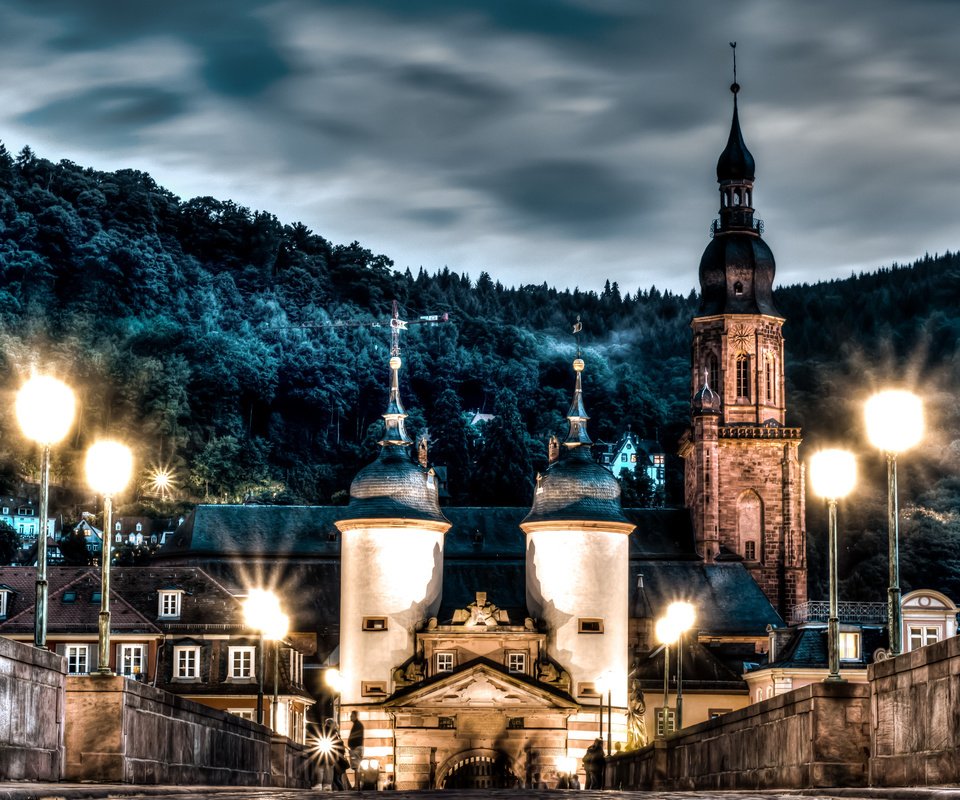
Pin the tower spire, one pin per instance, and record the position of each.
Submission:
(577, 415)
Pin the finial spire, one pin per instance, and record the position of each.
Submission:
(577, 415)
(734, 87)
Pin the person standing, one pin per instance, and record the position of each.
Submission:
(593, 763)
(355, 745)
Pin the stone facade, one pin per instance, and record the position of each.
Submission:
(32, 701)
(915, 736)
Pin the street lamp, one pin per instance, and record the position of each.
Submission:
(333, 678)
(108, 467)
(683, 616)
(833, 474)
(45, 409)
(261, 611)
(894, 424)
(667, 633)
(605, 683)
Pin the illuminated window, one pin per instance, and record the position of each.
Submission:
(186, 663)
(95, 596)
(516, 662)
(444, 662)
(374, 623)
(590, 625)
(132, 659)
(750, 551)
(849, 646)
(666, 721)
(69, 597)
(169, 606)
(78, 662)
(244, 713)
(743, 376)
(769, 380)
(921, 636)
(240, 661)
(4, 594)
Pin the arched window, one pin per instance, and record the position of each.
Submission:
(713, 372)
(750, 525)
(743, 376)
(769, 379)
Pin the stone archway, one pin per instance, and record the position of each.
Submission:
(478, 769)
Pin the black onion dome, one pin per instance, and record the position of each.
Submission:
(736, 161)
(394, 487)
(575, 487)
(736, 276)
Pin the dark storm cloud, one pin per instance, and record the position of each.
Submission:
(587, 198)
(120, 111)
(524, 137)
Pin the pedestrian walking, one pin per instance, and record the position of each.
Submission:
(355, 745)
(594, 762)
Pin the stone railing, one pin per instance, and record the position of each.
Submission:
(121, 731)
(32, 692)
(915, 736)
(814, 737)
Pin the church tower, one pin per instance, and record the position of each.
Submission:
(743, 477)
(391, 560)
(577, 541)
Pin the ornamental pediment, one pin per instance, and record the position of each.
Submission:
(480, 684)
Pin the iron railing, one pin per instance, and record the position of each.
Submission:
(847, 611)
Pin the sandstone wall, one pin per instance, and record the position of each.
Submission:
(817, 736)
(32, 701)
(914, 700)
(122, 731)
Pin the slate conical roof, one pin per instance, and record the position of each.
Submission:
(736, 161)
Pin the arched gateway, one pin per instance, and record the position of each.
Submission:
(478, 769)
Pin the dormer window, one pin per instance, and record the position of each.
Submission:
(4, 602)
(849, 646)
(117, 527)
(738, 288)
(169, 605)
(139, 527)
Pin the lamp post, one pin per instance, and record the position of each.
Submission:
(667, 633)
(45, 409)
(683, 616)
(281, 625)
(334, 680)
(833, 474)
(261, 611)
(894, 424)
(108, 467)
(605, 683)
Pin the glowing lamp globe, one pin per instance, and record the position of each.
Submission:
(894, 420)
(261, 610)
(278, 628)
(109, 466)
(833, 473)
(45, 408)
(666, 630)
(334, 679)
(682, 614)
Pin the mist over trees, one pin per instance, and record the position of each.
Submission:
(240, 353)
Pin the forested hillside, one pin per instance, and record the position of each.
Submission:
(238, 351)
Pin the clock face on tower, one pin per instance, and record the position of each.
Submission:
(740, 336)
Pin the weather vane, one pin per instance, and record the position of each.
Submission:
(577, 327)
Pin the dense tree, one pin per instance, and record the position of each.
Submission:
(9, 543)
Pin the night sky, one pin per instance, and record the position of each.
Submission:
(539, 140)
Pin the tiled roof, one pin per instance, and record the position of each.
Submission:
(79, 615)
(727, 599)
(807, 647)
(702, 670)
